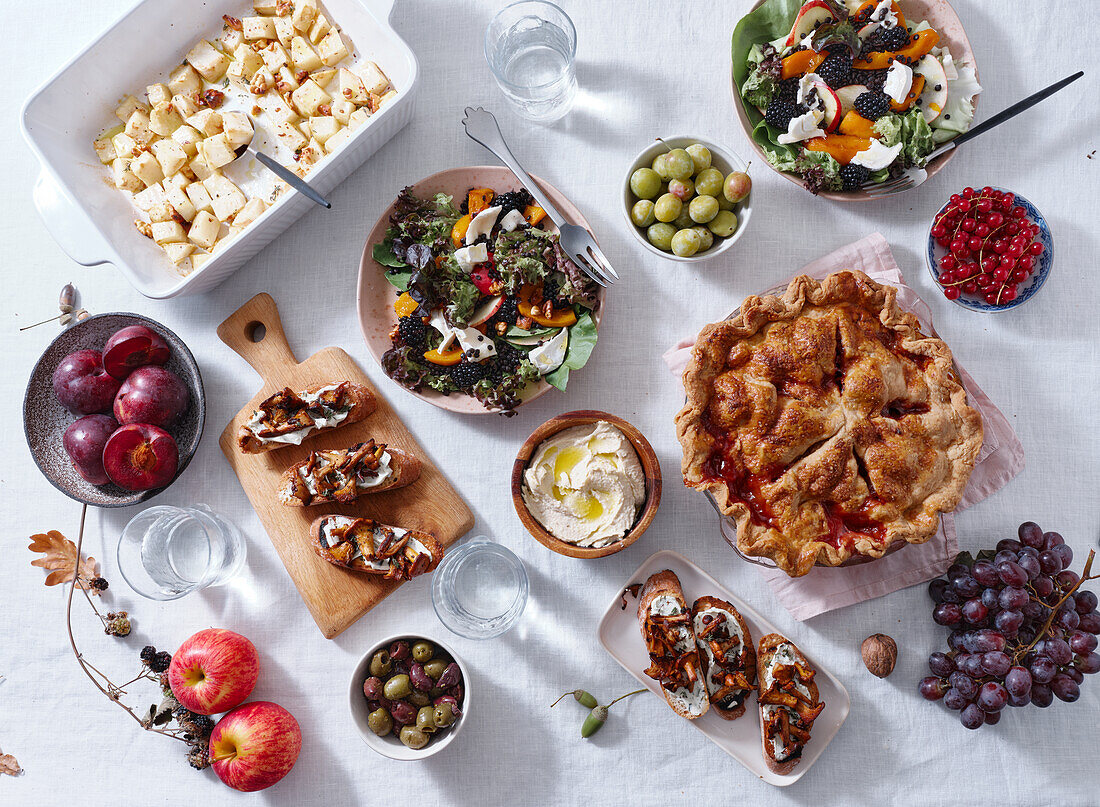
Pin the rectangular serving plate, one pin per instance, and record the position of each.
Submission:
(93, 222)
(621, 637)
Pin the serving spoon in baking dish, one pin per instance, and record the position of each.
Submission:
(281, 171)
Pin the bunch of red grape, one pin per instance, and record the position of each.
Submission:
(1022, 630)
(990, 243)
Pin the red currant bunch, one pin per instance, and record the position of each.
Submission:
(990, 243)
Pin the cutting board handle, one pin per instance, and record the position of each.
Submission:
(255, 332)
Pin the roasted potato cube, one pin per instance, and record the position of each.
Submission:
(150, 197)
(277, 108)
(237, 128)
(199, 167)
(230, 234)
(204, 229)
(351, 87)
(320, 27)
(198, 259)
(179, 181)
(387, 96)
(337, 140)
(230, 38)
(188, 137)
(216, 151)
(199, 197)
(274, 56)
(180, 202)
(164, 119)
(286, 80)
(332, 48)
(236, 77)
(308, 156)
(127, 106)
(146, 168)
(284, 31)
(226, 198)
(373, 78)
(178, 251)
(342, 109)
(358, 118)
(208, 60)
(266, 7)
(251, 211)
(303, 54)
(308, 97)
(104, 149)
(185, 104)
(184, 80)
(305, 12)
(124, 145)
(290, 136)
(170, 155)
(125, 179)
(323, 127)
(206, 121)
(168, 232)
(323, 77)
(258, 28)
(158, 94)
(249, 59)
(162, 211)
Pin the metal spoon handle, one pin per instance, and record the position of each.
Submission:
(290, 178)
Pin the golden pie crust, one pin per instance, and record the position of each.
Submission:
(826, 424)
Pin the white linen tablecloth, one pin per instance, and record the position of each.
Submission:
(645, 69)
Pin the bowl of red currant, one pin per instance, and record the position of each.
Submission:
(989, 249)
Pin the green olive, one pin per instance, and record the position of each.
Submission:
(381, 664)
(397, 688)
(413, 737)
(425, 720)
(444, 715)
(419, 699)
(435, 668)
(422, 652)
(380, 722)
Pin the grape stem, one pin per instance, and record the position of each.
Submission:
(1085, 575)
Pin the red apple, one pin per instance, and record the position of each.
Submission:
(255, 745)
(82, 385)
(214, 671)
(152, 395)
(812, 15)
(141, 457)
(84, 440)
(131, 347)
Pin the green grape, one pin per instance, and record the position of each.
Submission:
(682, 189)
(724, 224)
(642, 213)
(660, 235)
(660, 165)
(684, 221)
(680, 164)
(706, 236)
(709, 182)
(700, 155)
(667, 207)
(703, 208)
(686, 243)
(645, 183)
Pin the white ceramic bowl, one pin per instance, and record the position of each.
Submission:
(721, 158)
(390, 746)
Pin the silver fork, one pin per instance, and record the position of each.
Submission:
(576, 241)
(912, 177)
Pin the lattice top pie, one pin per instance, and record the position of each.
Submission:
(826, 424)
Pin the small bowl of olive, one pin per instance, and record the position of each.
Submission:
(408, 696)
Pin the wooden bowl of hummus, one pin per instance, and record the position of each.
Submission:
(586, 484)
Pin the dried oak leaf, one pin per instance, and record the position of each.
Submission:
(59, 556)
(9, 766)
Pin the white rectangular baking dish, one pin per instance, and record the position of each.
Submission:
(621, 636)
(92, 221)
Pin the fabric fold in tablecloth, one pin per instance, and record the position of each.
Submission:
(1001, 458)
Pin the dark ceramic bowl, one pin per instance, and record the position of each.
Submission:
(45, 419)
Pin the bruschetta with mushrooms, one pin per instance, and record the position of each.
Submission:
(789, 701)
(728, 654)
(346, 474)
(670, 640)
(365, 545)
(287, 417)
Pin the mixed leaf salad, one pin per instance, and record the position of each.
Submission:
(846, 91)
(488, 303)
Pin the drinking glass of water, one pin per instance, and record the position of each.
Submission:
(480, 589)
(531, 47)
(167, 552)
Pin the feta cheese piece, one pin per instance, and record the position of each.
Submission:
(475, 344)
(549, 356)
(468, 257)
(204, 230)
(210, 62)
(882, 17)
(806, 86)
(166, 232)
(332, 48)
(482, 223)
(237, 128)
(899, 80)
(511, 220)
(877, 156)
(437, 321)
(373, 78)
(183, 80)
(803, 127)
(257, 28)
(303, 54)
(170, 155)
(127, 106)
(147, 169)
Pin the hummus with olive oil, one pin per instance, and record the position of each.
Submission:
(585, 485)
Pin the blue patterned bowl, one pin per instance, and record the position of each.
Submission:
(1026, 290)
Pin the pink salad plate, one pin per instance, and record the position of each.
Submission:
(376, 295)
(938, 14)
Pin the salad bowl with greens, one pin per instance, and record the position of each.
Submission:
(466, 298)
(836, 93)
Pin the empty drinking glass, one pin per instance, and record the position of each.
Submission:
(531, 47)
(480, 589)
(167, 552)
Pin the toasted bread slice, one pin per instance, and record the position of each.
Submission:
(361, 400)
(339, 540)
(662, 596)
(739, 660)
(404, 469)
(769, 644)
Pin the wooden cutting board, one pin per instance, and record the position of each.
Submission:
(336, 597)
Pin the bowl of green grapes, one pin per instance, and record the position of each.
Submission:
(687, 199)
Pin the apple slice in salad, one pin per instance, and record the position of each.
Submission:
(487, 303)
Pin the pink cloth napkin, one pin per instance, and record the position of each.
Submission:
(1000, 459)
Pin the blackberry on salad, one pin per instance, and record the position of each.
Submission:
(488, 304)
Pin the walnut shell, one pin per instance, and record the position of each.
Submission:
(880, 653)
